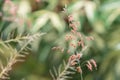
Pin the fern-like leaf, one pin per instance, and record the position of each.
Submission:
(13, 54)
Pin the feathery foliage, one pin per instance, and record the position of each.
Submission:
(14, 53)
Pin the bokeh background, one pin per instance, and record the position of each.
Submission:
(98, 18)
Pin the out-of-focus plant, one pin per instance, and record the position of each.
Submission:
(14, 50)
(15, 44)
(98, 18)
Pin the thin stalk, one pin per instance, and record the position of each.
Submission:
(81, 76)
(24, 46)
(15, 40)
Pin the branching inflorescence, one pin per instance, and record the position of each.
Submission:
(78, 42)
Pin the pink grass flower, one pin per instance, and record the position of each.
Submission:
(7, 1)
(37, 1)
(79, 34)
(72, 57)
(70, 18)
(73, 45)
(90, 38)
(79, 55)
(64, 10)
(89, 67)
(73, 26)
(68, 37)
(82, 44)
(62, 50)
(13, 10)
(88, 62)
(93, 62)
(79, 69)
(72, 63)
(54, 48)
(73, 31)
(68, 51)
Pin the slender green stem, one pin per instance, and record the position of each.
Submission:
(81, 76)
(24, 46)
(15, 40)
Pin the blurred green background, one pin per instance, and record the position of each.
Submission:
(98, 18)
